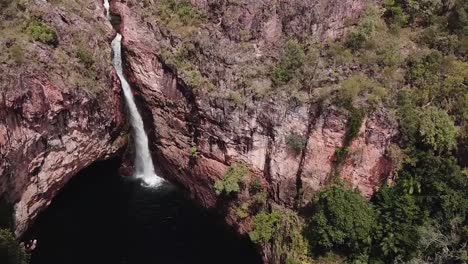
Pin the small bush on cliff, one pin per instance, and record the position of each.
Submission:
(231, 182)
(39, 31)
(85, 55)
(369, 23)
(296, 143)
(11, 252)
(264, 226)
(291, 60)
(342, 220)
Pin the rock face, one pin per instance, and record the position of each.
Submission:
(51, 129)
(187, 121)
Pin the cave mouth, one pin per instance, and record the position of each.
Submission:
(100, 217)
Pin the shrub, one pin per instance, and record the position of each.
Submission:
(342, 220)
(194, 152)
(355, 120)
(242, 211)
(458, 18)
(85, 55)
(17, 54)
(359, 89)
(42, 32)
(369, 23)
(11, 252)
(264, 227)
(291, 60)
(232, 179)
(394, 14)
(396, 236)
(421, 11)
(296, 143)
(256, 186)
(437, 129)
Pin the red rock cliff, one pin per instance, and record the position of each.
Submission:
(50, 126)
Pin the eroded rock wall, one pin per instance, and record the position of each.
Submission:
(50, 129)
(255, 132)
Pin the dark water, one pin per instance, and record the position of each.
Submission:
(102, 218)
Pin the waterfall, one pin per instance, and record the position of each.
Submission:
(107, 6)
(143, 164)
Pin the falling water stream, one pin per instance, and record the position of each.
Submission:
(143, 164)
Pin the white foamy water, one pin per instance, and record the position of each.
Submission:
(143, 164)
(107, 6)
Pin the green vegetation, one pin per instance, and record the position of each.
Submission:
(11, 252)
(296, 143)
(194, 152)
(39, 31)
(360, 91)
(178, 16)
(365, 30)
(342, 220)
(231, 182)
(264, 226)
(180, 61)
(355, 119)
(291, 60)
(85, 55)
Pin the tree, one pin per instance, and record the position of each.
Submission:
(291, 60)
(342, 220)
(437, 129)
(398, 218)
(232, 178)
(458, 18)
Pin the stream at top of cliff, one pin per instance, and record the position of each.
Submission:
(100, 217)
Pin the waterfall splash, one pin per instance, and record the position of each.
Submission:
(143, 164)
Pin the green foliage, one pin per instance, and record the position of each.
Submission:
(256, 186)
(394, 13)
(423, 71)
(419, 11)
(264, 226)
(11, 252)
(342, 220)
(430, 126)
(85, 55)
(437, 129)
(398, 218)
(291, 60)
(17, 54)
(354, 125)
(355, 119)
(39, 31)
(359, 90)
(232, 179)
(458, 18)
(429, 192)
(180, 61)
(368, 25)
(194, 152)
(242, 211)
(177, 15)
(296, 143)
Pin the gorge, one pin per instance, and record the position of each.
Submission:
(292, 121)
